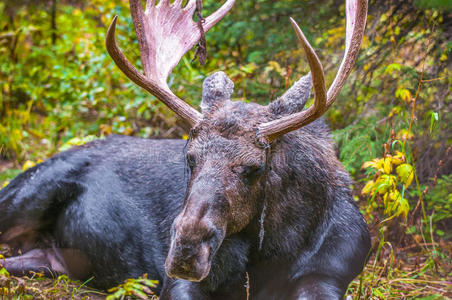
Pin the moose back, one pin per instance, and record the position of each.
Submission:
(255, 198)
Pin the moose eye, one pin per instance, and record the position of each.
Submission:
(249, 173)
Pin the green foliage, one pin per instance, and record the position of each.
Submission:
(435, 4)
(52, 93)
(359, 143)
(8, 175)
(439, 201)
(140, 288)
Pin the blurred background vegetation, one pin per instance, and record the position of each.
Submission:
(391, 122)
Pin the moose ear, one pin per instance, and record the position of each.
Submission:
(294, 99)
(216, 89)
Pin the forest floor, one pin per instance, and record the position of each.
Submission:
(415, 275)
(5, 166)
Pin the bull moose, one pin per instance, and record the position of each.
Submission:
(256, 195)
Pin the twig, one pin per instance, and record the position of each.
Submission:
(201, 50)
(247, 286)
(413, 110)
(434, 79)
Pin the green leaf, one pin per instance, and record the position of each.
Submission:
(256, 57)
(411, 230)
(439, 232)
(4, 273)
(393, 67)
(76, 141)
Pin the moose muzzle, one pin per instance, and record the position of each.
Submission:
(193, 245)
(188, 262)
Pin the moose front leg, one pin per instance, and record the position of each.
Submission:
(316, 286)
(36, 260)
(182, 290)
(50, 262)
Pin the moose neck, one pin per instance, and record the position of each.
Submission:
(296, 188)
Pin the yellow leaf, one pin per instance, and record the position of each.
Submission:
(374, 164)
(366, 42)
(4, 184)
(76, 141)
(368, 164)
(380, 165)
(404, 134)
(406, 174)
(185, 137)
(385, 183)
(274, 66)
(395, 195)
(387, 165)
(106, 129)
(403, 208)
(368, 187)
(128, 131)
(385, 201)
(27, 165)
(403, 94)
(398, 158)
(381, 187)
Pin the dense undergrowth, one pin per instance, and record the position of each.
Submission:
(391, 122)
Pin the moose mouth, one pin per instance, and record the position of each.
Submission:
(188, 262)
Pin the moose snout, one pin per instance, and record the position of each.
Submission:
(189, 262)
(194, 242)
(196, 234)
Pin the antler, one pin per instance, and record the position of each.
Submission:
(356, 13)
(165, 33)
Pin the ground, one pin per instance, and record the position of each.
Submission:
(412, 275)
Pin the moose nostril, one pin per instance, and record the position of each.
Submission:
(188, 261)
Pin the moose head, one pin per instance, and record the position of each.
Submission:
(228, 149)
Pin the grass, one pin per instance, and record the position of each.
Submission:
(8, 174)
(38, 287)
(418, 275)
(382, 280)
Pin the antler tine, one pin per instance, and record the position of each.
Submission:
(165, 33)
(274, 129)
(165, 95)
(356, 12)
(149, 4)
(136, 10)
(177, 2)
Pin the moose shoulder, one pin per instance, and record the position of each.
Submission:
(256, 195)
